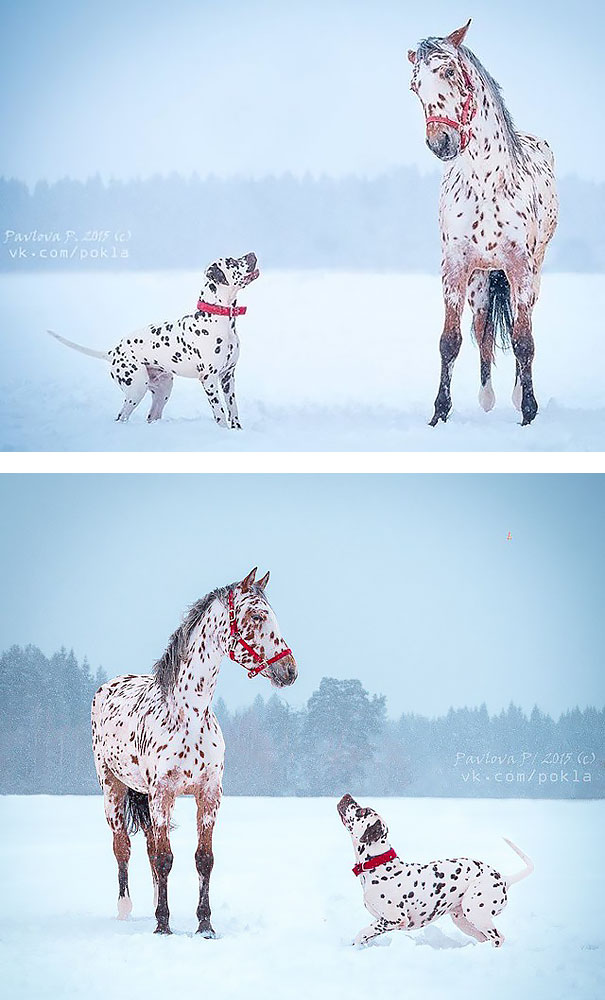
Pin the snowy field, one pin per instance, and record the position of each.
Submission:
(329, 362)
(287, 905)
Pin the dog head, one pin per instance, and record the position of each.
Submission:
(228, 275)
(364, 824)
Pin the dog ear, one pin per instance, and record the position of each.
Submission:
(262, 583)
(249, 580)
(373, 833)
(214, 273)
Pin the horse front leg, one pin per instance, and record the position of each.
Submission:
(160, 805)
(150, 838)
(454, 286)
(208, 802)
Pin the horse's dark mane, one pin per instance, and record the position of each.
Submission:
(433, 46)
(166, 669)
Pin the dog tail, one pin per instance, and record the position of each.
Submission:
(510, 879)
(104, 355)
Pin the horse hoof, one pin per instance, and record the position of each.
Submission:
(124, 907)
(162, 930)
(529, 414)
(487, 398)
(207, 932)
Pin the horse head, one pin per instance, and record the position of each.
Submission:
(256, 642)
(445, 90)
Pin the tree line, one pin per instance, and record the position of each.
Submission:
(380, 223)
(341, 740)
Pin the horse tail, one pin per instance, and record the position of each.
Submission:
(499, 309)
(136, 812)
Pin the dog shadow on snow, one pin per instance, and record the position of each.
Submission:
(431, 936)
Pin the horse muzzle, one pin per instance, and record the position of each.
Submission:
(443, 141)
(284, 672)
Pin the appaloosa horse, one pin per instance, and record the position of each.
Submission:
(497, 213)
(155, 735)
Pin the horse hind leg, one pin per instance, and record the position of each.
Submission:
(114, 792)
(483, 331)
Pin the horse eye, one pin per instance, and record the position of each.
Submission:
(257, 618)
(449, 72)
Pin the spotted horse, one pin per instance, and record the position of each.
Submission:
(155, 736)
(497, 213)
(203, 345)
(402, 895)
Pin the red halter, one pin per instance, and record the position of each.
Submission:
(230, 311)
(236, 637)
(371, 863)
(469, 110)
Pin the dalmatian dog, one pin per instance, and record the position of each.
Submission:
(203, 345)
(405, 896)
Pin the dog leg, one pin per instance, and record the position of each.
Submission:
(466, 927)
(483, 899)
(139, 384)
(228, 386)
(160, 386)
(380, 926)
(211, 388)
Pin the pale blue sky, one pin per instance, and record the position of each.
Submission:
(407, 582)
(256, 86)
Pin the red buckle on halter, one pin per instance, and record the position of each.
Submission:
(230, 311)
(236, 637)
(371, 863)
(469, 110)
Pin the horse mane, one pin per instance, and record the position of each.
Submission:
(166, 669)
(433, 46)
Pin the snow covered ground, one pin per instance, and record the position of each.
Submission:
(329, 362)
(287, 905)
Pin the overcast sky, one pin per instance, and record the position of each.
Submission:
(406, 582)
(256, 86)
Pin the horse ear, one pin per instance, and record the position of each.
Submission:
(262, 583)
(457, 37)
(412, 56)
(247, 583)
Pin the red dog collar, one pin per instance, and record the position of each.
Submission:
(230, 311)
(380, 859)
